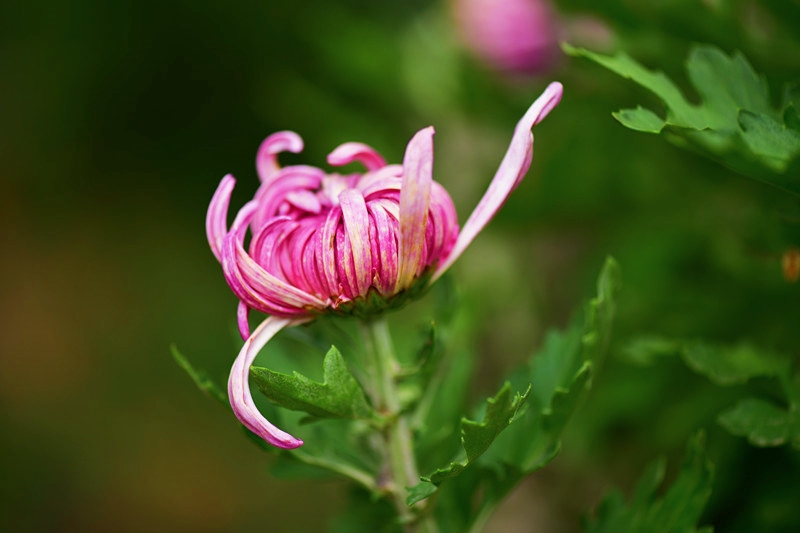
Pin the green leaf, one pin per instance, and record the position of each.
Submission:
(677, 512)
(200, 378)
(338, 396)
(644, 351)
(560, 373)
(476, 437)
(763, 423)
(640, 119)
(735, 122)
(777, 144)
(419, 492)
(600, 313)
(730, 365)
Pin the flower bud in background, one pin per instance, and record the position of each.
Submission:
(515, 37)
(359, 243)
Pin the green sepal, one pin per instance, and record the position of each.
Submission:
(200, 378)
(735, 122)
(678, 511)
(338, 396)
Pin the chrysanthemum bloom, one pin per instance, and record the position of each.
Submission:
(355, 243)
(510, 36)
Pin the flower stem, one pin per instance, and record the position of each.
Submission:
(400, 464)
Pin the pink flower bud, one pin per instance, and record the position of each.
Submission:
(345, 243)
(511, 36)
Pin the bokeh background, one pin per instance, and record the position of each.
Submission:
(119, 119)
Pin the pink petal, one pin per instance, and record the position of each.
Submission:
(349, 152)
(216, 218)
(415, 197)
(251, 283)
(267, 156)
(242, 312)
(386, 248)
(356, 226)
(239, 389)
(326, 254)
(512, 169)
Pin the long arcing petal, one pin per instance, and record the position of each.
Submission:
(415, 199)
(239, 388)
(267, 156)
(512, 170)
(216, 218)
(356, 226)
(349, 152)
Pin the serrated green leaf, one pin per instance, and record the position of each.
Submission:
(476, 437)
(774, 141)
(677, 512)
(200, 378)
(763, 423)
(600, 313)
(734, 123)
(564, 402)
(730, 365)
(338, 396)
(560, 373)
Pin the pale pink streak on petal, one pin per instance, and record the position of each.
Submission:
(242, 312)
(267, 156)
(305, 200)
(386, 240)
(349, 152)
(239, 388)
(244, 274)
(216, 218)
(415, 197)
(327, 252)
(512, 169)
(356, 226)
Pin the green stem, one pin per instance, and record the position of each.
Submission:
(397, 438)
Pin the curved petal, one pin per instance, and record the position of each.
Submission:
(251, 283)
(356, 226)
(385, 248)
(415, 198)
(242, 312)
(349, 152)
(512, 170)
(239, 389)
(216, 218)
(267, 156)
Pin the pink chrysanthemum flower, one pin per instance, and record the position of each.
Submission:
(355, 243)
(510, 36)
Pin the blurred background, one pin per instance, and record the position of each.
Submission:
(120, 118)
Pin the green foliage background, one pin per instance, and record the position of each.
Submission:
(121, 117)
